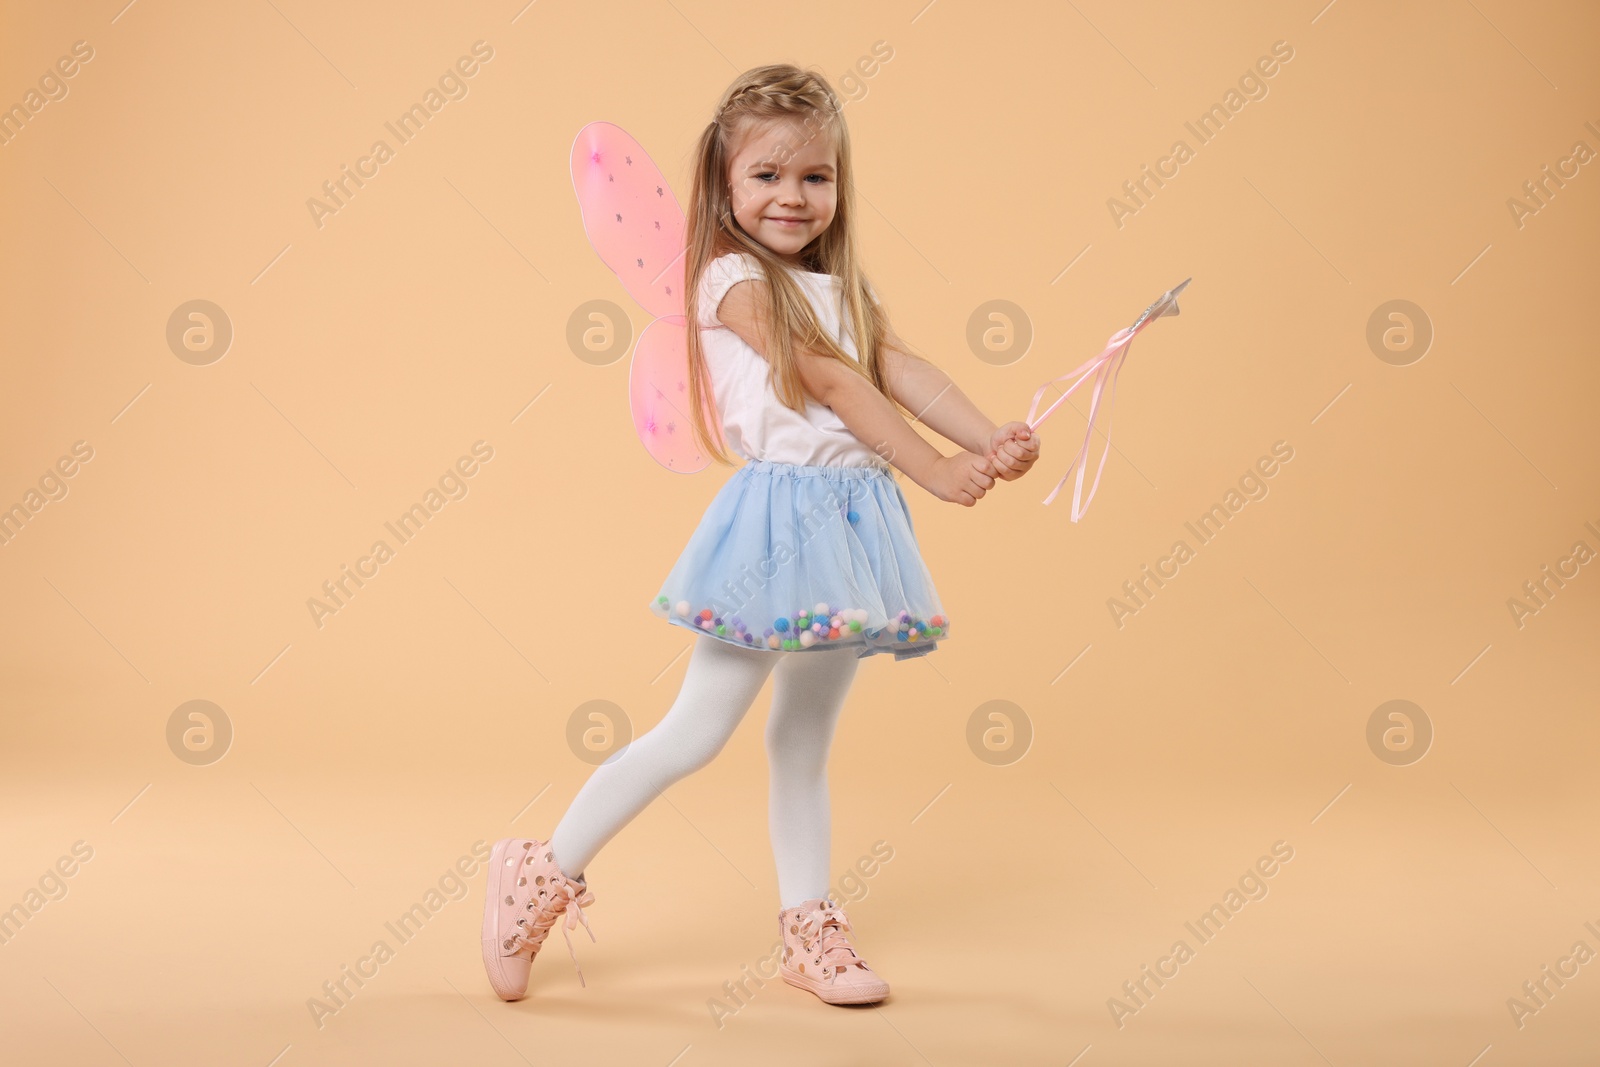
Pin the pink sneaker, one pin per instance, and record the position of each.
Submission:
(818, 957)
(525, 896)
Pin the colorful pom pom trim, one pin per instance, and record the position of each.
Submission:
(804, 629)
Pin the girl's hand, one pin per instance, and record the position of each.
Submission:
(1013, 450)
(962, 478)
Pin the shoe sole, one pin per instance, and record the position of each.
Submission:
(505, 986)
(826, 992)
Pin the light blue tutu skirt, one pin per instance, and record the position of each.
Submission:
(791, 557)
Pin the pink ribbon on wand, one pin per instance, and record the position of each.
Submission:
(1107, 364)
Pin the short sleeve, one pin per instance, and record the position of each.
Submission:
(722, 274)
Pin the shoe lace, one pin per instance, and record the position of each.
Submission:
(567, 896)
(829, 924)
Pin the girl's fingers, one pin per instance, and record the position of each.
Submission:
(1013, 458)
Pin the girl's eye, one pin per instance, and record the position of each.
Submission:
(769, 174)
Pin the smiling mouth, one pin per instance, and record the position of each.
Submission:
(788, 222)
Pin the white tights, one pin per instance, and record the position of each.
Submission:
(721, 683)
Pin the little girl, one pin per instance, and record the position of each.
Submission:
(806, 560)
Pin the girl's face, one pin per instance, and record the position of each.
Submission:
(778, 175)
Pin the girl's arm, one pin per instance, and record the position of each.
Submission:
(871, 417)
(867, 413)
(934, 399)
(939, 404)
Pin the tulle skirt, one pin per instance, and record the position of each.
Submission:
(791, 557)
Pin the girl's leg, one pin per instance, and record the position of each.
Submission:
(721, 683)
(809, 689)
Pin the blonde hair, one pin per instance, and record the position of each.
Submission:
(777, 92)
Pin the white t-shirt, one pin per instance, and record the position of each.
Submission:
(756, 424)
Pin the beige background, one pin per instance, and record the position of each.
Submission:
(431, 711)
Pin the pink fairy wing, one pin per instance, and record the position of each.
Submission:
(630, 216)
(635, 225)
(658, 393)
